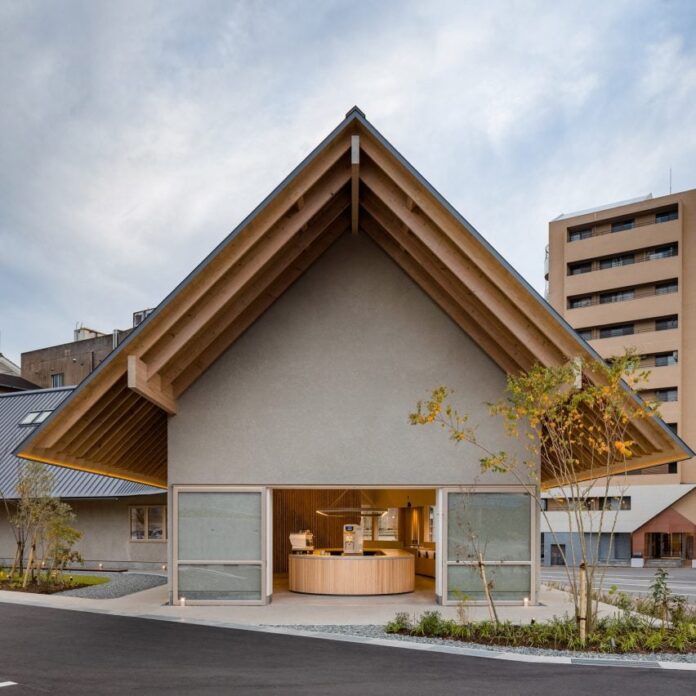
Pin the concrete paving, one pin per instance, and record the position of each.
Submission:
(61, 652)
(291, 609)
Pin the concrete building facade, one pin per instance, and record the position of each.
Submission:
(623, 277)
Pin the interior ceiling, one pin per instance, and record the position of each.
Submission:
(116, 421)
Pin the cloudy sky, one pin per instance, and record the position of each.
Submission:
(135, 135)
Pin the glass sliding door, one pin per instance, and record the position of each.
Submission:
(495, 527)
(219, 545)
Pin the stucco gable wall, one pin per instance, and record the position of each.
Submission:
(319, 389)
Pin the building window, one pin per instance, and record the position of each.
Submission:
(578, 268)
(576, 302)
(148, 523)
(666, 323)
(667, 288)
(667, 394)
(577, 235)
(616, 296)
(585, 334)
(35, 417)
(662, 252)
(672, 427)
(614, 261)
(672, 468)
(57, 380)
(618, 330)
(665, 359)
(623, 225)
(666, 216)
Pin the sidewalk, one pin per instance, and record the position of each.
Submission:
(289, 609)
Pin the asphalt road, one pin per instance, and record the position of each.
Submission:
(682, 581)
(50, 651)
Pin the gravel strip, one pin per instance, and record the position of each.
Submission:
(377, 631)
(119, 585)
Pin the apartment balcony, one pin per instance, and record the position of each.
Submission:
(670, 411)
(654, 234)
(644, 343)
(663, 377)
(623, 276)
(626, 311)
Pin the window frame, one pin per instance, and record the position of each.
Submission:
(623, 225)
(60, 376)
(146, 525)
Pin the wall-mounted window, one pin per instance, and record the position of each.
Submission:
(576, 302)
(35, 417)
(665, 359)
(57, 380)
(617, 330)
(578, 268)
(666, 323)
(666, 216)
(662, 252)
(615, 261)
(667, 394)
(667, 287)
(623, 225)
(585, 334)
(672, 427)
(148, 523)
(577, 235)
(616, 296)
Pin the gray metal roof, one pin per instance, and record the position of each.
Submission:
(69, 483)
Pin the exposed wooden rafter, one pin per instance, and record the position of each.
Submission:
(116, 422)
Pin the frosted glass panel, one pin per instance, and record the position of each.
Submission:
(221, 582)
(219, 526)
(509, 582)
(499, 524)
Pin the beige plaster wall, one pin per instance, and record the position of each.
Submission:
(318, 391)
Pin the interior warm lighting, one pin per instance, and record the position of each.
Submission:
(350, 511)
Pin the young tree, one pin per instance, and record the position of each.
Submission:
(575, 431)
(41, 523)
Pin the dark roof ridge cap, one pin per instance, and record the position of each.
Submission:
(29, 392)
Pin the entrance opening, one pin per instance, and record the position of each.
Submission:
(348, 542)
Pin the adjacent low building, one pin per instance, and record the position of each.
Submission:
(123, 524)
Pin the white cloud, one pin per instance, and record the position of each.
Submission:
(137, 134)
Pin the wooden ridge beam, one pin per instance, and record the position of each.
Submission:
(441, 295)
(232, 298)
(355, 183)
(420, 197)
(256, 309)
(502, 337)
(159, 395)
(245, 298)
(96, 417)
(119, 412)
(474, 280)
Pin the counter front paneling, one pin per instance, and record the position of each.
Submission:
(388, 571)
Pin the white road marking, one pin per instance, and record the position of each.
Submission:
(7, 684)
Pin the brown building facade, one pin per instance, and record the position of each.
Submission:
(623, 277)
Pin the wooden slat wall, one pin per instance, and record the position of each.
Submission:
(294, 510)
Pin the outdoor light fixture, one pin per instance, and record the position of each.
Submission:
(101, 565)
(164, 567)
(182, 601)
(526, 601)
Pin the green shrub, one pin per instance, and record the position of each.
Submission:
(430, 624)
(401, 622)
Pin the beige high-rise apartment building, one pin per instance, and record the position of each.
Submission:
(624, 276)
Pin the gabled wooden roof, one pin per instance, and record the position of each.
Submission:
(353, 182)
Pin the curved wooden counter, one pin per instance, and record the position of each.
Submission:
(391, 572)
